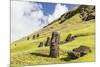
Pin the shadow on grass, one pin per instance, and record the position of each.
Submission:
(66, 59)
(39, 54)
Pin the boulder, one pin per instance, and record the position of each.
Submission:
(78, 52)
(41, 44)
(73, 55)
(33, 37)
(83, 50)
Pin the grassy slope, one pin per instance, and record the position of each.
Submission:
(27, 53)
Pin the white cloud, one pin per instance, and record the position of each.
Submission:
(59, 10)
(25, 18)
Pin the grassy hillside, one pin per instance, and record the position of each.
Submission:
(27, 52)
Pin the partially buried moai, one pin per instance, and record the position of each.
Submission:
(28, 38)
(69, 38)
(54, 44)
(33, 37)
(47, 43)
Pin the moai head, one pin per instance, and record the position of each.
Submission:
(55, 37)
(55, 34)
(54, 47)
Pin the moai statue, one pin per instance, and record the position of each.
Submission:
(28, 38)
(33, 37)
(69, 38)
(47, 43)
(54, 47)
(41, 44)
(38, 35)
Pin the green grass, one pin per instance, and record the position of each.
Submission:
(40, 55)
(27, 52)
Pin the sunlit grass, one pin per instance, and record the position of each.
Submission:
(27, 52)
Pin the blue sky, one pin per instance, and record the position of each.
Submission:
(48, 8)
(28, 17)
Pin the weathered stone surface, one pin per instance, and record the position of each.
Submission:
(78, 52)
(83, 50)
(73, 55)
(54, 47)
(69, 38)
(41, 44)
(47, 43)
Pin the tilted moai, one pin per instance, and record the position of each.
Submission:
(41, 44)
(69, 38)
(54, 47)
(47, 43)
